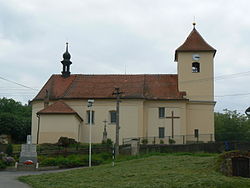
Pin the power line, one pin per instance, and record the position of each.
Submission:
(226, 76)
(233, 95)
(221, 77)
(13, 82)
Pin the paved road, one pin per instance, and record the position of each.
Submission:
(9, 179)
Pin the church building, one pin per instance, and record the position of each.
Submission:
(159, 108)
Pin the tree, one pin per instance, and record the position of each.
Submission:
(15, 119)
(231, 125)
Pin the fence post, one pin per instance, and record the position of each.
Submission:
(183, 139)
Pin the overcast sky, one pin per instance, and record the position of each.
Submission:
(111, 36)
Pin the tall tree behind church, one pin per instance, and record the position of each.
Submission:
(231, 126)
(15, 119)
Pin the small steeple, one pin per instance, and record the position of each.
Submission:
(66, 63)
(194, 43)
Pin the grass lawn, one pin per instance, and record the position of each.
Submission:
(169, 170)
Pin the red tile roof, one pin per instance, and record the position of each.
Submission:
(102, 86)
(194, 42)
(59, 107)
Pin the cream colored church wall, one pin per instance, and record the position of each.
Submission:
(154, 122)
(131, 119)
(199, 86)
(36, 107)
(200, 116)
(53, 126)
(138, 118)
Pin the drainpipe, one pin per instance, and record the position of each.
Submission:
(38, 128)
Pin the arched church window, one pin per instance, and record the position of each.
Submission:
(195, 67)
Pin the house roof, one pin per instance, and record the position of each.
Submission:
(59, 107)
(143, 86)
(194, 42)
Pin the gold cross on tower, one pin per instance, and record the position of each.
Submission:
(172, 117)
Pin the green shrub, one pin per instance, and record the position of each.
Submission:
(171, 141)
(2, 165)
(105, 156)
(109, 142)
(63, 141)
(9, 161)
(161, 141)
(73, 160)
(96, 160)
(50, 161)
(9, 150)
(144, 141)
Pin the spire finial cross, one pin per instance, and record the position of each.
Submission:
(67, 46)
(194, 23)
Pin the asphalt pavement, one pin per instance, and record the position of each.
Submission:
(8, 179)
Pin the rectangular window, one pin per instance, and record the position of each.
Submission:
(161, 112)
(93, 117)
(161, 132)
(112, 116)
(196, 133)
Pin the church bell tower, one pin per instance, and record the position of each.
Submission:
(66, 63)
(195, 58)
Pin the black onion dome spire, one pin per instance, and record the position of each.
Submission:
(66, 63)
(66, 55)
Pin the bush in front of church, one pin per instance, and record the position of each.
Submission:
(2, 165)
(74, 160)
(66, 142)
(109, 142)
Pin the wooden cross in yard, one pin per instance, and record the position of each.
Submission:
(172, 117)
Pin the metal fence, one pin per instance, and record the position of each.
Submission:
(177, 139)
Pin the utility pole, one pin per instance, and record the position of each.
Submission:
(117, 93)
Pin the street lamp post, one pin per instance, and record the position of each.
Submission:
(90, 104)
